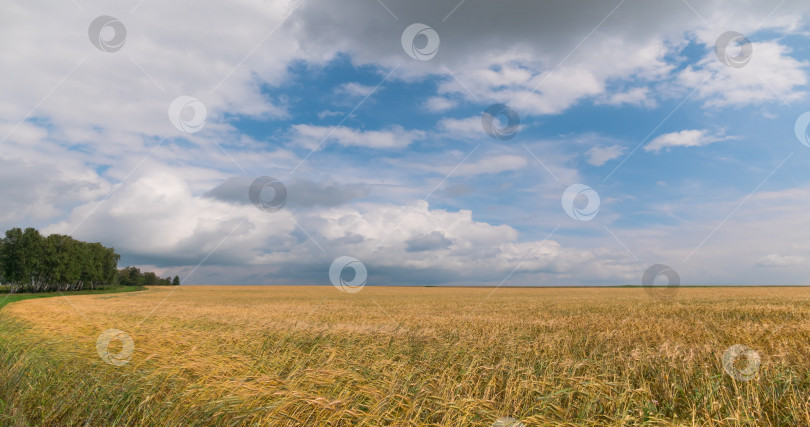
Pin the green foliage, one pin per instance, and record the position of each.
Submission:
(32, 263)
(132, 276)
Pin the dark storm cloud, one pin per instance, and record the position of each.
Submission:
(481, 28)
(233, 190)
(300, 193)
(428, 242)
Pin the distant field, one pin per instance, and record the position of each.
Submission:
(408, 356)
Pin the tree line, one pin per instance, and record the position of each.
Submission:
(30, 262)
(132, 276)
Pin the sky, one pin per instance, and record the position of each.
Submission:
(460, 142)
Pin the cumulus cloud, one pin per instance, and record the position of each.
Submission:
(157, 220)
(468, 128)
(438, 104)
(599, 155)
(771, 75)
(43, 188)
(434, 240)
(160, 62)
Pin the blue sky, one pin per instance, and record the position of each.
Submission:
(384, 156)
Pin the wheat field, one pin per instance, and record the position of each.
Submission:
(237, 355)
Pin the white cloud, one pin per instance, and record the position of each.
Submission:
(490, 164)
(155, 219)
(311, 137)
(684, 138)
(776, 260)
(329, 113)
(160, 62)
(469, 128)
(155, 216)
(355, 89)
(636, 96)
(42, 188)
(438, 104)
(599, 155)
(721, 238)
(771, 75)
(77, 87)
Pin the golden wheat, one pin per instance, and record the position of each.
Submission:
(408, 356)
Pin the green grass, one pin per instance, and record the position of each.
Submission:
(9, 298)
(36, 365)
